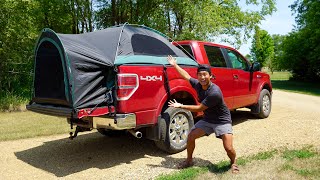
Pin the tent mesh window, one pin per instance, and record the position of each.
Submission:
(146, 45)
(49, 76)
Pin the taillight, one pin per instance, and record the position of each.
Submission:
(127, 85)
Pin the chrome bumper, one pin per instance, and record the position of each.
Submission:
(121, 121)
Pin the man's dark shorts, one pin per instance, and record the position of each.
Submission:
(209, 128)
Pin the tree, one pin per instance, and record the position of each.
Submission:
(186, 19)
(65, 16)
(262, 49)
(301, 48)
(17, 36)
(278, 50)
(21, 22)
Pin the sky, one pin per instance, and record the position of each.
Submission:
(280, 22)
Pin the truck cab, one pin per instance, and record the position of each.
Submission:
(239, 80)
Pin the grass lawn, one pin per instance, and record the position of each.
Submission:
(297, 164)
(281, 75)
(19, 125)
(280, 80)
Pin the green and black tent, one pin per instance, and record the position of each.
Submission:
(76, 70)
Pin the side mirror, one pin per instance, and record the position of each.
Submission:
(255, 66)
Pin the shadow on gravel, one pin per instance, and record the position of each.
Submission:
(64, 156)
(238, 117)
(241, 116)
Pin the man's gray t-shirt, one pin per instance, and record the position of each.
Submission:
(217, 111)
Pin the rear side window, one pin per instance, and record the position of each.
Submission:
(215, 56)
(237, 61)
(187, 50)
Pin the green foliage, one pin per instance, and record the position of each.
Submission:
(301, 48)
(259, 156)
(220, 167)
(301, 153)
(263, 48)
(280, 75)
(297, 86)
(187, 19)
(12, 102)
(17, 35)
(189, 173)
(65, 16)
(281, 80)
(278, 50)
(304, 162)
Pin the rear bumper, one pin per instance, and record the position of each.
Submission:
(118, 122)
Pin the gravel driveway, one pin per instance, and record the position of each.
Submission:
(294, 121)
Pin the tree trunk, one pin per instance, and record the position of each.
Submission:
(114, 12)
(90, 15)
(74, 19)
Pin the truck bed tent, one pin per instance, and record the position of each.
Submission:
(77, 70)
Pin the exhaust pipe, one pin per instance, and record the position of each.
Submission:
(136, 134)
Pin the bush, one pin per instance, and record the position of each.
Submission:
(11, 102)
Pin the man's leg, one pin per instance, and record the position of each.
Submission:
(228, 146)
(191, 143)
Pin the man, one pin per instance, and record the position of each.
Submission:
(217, 118)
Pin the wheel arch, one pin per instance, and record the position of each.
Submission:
(181, 94)
(266, 86)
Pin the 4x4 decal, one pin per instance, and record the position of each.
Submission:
(151, 78)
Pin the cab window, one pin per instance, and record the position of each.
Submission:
(215, 56)
(187, 50)
(237, 61)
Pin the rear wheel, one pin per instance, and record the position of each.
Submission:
(264, 104)
(175, 124)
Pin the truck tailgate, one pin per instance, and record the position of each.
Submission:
(50, 110)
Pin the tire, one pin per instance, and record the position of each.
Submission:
(264, 104)
(174, 126)
(111, 133)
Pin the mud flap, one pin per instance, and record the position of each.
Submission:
(155, 132)
(255, 109)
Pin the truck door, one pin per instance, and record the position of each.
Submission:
(221, 74)
(242, 79)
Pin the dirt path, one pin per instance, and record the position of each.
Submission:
(294, 121)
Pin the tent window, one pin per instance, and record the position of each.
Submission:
(146, 45)
(49, 78)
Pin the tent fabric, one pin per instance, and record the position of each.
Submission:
(88, 61)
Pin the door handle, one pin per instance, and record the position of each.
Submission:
(235, 76)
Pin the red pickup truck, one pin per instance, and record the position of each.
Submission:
(119, 79)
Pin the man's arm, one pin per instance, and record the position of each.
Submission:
(181, 71)
(192, 108)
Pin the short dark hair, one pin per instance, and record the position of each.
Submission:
(204, 67)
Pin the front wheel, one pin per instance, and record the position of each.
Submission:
(174, 125)
(264, 104)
